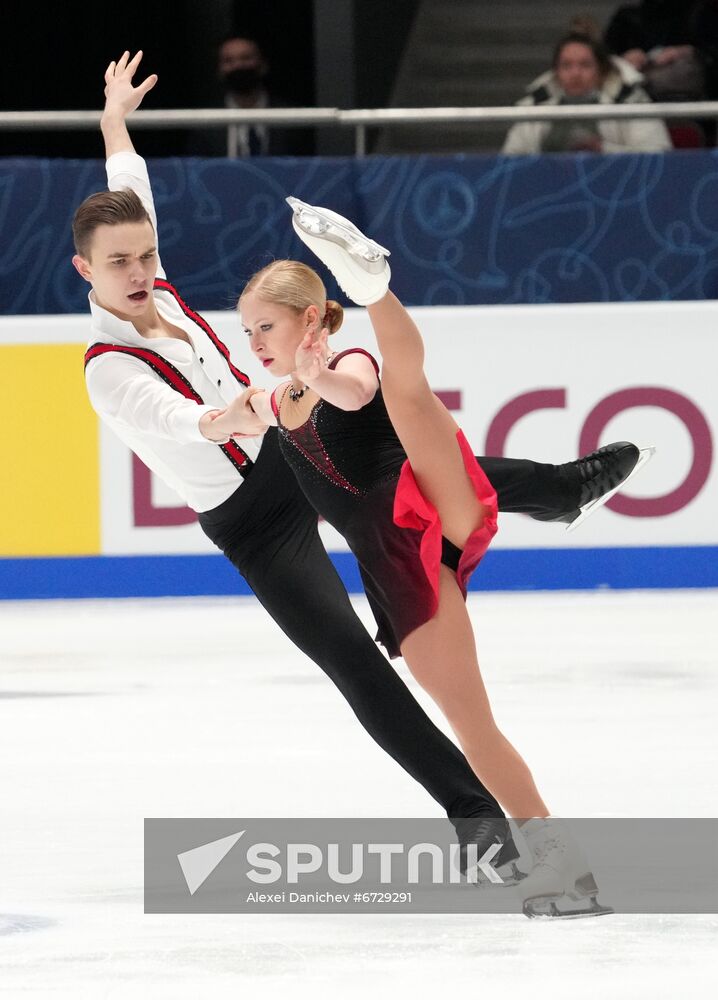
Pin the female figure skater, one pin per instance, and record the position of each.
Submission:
(389, 468)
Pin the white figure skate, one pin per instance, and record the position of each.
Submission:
(357, 262)
(561, 884)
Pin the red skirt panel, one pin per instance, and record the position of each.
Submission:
(413, 510)
(397, 539)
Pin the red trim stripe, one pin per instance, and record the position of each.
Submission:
(164, 369)
(234, 452)
(165, 286)
(176, 380)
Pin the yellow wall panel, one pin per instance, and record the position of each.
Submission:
(49, 453)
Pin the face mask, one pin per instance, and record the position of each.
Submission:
(242, 81)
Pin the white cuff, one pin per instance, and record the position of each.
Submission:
(126, 162)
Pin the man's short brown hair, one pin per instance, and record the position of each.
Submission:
(106, 208)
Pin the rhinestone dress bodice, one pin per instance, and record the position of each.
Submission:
(340, 456)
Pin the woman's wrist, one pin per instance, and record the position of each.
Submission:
(205, 426)
(319, 371)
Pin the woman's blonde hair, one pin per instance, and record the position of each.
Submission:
(293, 284)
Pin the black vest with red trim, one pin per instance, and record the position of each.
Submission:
(173, 377)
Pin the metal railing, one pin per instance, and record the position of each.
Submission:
(359, 120)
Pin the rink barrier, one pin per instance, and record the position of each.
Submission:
(501, 569)
(463, 229)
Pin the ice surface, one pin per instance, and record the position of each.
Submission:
(115, 711)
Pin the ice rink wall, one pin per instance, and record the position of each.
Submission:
(565, 301)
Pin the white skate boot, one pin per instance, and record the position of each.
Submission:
(358, 263)
(561, 884)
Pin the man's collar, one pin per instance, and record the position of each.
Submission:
(107, 324)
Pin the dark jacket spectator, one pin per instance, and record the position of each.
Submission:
(674, 43)
(242, 73)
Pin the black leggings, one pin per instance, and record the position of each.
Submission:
(268, 530)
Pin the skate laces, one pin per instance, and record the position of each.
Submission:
(481, 832)
(545, 847)
(606, 467)
(590, 468)
(597, 472)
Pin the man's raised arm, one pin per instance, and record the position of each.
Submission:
(121, 99)
(125, 168)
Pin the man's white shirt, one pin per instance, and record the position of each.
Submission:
(159, 424)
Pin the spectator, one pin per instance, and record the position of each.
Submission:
(242, 71)
(674, 43)
(584, 73)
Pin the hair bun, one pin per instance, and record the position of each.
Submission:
(333, 316)
(585, 24)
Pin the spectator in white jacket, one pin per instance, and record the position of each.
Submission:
(584, 73)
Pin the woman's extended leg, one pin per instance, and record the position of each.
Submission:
(441, 655)
(424, 426)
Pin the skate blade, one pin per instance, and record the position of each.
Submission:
(314, 222)
(644, 456)
(551, 908)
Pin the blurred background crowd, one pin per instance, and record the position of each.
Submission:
(370, 54)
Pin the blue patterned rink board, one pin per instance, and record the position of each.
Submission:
(462, 229)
